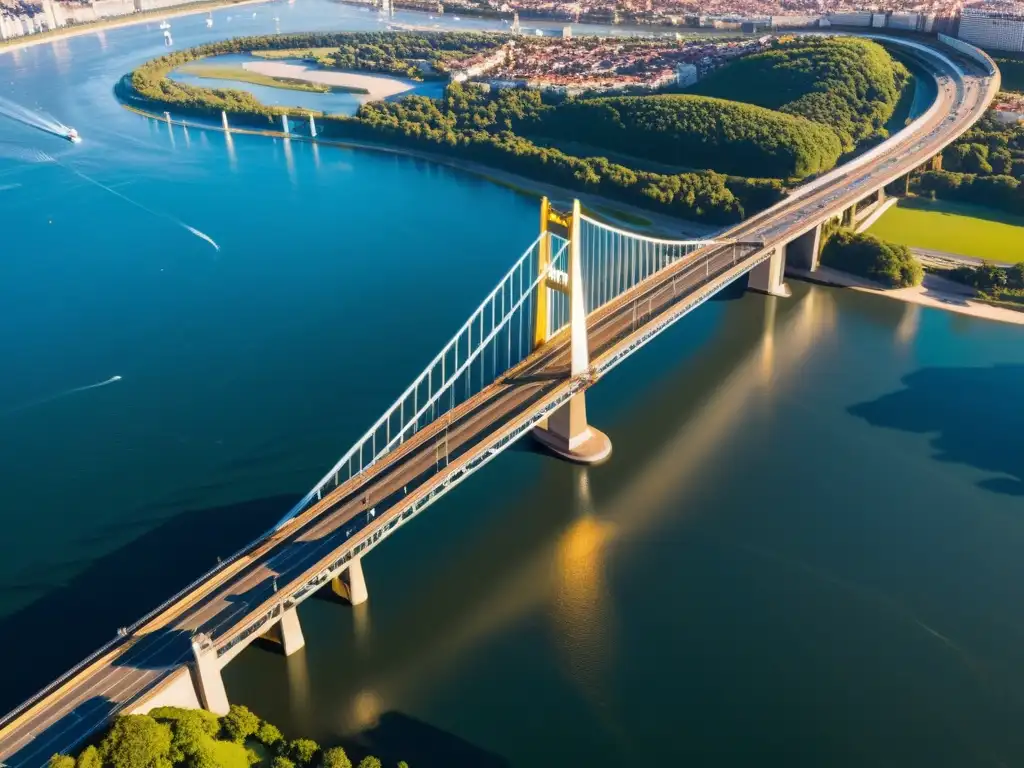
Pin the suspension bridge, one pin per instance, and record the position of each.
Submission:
(582, 298)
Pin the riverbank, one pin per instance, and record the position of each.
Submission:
(935, 291)
(618, 213)
(115, 23)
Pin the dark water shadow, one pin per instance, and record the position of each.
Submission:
(69, 623)
(974, 413)
(398, 736)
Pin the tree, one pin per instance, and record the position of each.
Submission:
(205, 721)
(268, 735)
(89, 758)
(302, 751)
(281, 762)
(1015, 276)
(403, 764)
(335, 757)
(239, 723)
(370, 762)
(136, 741)
(62, 761)
(868, 256)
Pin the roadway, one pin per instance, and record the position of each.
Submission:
(227, 604)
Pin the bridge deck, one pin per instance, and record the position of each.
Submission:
(226, 606)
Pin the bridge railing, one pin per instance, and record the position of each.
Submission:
(497, 336)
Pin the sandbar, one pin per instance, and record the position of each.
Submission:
(378, 86)
(935, 291)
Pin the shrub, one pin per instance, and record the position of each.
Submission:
(89, 758)
(868, 256)
(239, 723)
(136, 741)
(303, 751)
(335, 757)
(268, 735)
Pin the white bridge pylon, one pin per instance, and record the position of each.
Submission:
(588, 260)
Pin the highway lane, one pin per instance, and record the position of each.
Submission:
(390, 487)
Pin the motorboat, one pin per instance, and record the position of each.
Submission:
(72, 136)
(164, 24)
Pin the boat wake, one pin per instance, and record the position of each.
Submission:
(59, 395)
(36, 119)
(140, 206)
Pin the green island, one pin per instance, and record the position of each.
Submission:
(171, 737)
(821, 96)
(240, 74)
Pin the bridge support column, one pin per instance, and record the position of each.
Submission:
(767, 276)
(804, 252)
(566, 431)
(288, 632)
(354, 588)
(207, 678)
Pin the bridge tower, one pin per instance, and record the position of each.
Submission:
(566, 431)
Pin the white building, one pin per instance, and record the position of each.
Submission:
(686, 74)
(1000, 28)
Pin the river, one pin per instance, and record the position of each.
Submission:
(805, 549)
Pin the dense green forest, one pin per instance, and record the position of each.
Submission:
(868, 256)
(985, 166)
(171, 737)
(850, 84)
(695, 131)
(477, 125)
(495, 128)
(392, 52)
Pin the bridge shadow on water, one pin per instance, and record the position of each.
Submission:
(974, 414)
(119, 588)
(397, 736)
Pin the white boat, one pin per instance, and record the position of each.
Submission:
(164, 24)
(456, 18)
(72, 136)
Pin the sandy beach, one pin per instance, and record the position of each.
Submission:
(935, 291)
(116, 22)
(378, 86)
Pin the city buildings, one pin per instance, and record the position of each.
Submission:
(578, 64)
(994, 26)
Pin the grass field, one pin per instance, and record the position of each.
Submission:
(241, 75)
(953, 227)
(294, 53)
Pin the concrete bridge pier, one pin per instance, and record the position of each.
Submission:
(207, 679)
(767, 277)
(350, 584)
(805, 251)
(287, 631)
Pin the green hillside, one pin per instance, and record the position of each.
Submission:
(850, 84)
(696, 132)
